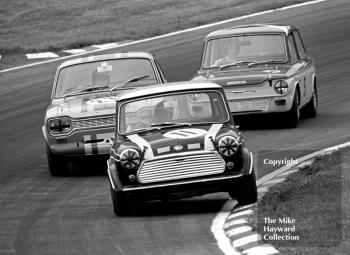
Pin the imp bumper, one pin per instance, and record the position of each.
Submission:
(260, 104)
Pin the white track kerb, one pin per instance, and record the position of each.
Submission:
(116, 45)
(228, 226)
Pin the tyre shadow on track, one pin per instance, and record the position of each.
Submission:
(87, 168)
(262, 121)
(197, 205)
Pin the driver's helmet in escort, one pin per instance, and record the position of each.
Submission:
(100, 78)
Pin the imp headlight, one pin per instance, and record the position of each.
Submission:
(228, 145)
(281, 87)
(130, 158)
(59, 126)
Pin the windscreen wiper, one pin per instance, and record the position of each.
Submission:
(88, 89)
(222, 67)
(139, 130)
(265, 62)
(171, 124)
(134, 79)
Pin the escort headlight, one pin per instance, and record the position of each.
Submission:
(228, 146)
(281, 87)
(59, 126)
(130, 158)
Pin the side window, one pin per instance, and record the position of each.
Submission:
(299, 44)
(292, 49)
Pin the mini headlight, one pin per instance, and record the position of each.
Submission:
(228, 145)
(59, 126)
(281, 87)
(130, 158)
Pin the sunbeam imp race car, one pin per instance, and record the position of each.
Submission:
(79, 122)
(263, 69)
(177, 141)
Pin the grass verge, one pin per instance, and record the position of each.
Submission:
(41, 25)
(317, 199)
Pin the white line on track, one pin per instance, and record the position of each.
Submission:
(263, 189)
(301, 4)
(75, 51)
(106, 45)
(41, 55)
(289, 172)
(165, 35)
(274, 181)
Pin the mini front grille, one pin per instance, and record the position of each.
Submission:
(94, 123)
(185, 166)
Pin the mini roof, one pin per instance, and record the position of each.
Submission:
(168, 88)
(251, 29)
(117, 55)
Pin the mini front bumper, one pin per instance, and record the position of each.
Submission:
(180, 188)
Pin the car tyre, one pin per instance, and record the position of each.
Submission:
(293, 116)
(120, 205)
(245, 190)
(57, 164)
(310, 109)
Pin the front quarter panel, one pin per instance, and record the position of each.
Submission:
(302, 75)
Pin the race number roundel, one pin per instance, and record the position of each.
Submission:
(186, 133)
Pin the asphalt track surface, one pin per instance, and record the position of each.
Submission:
(45, 215)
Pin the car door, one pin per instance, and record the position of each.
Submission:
(297, 65)
(306, 69)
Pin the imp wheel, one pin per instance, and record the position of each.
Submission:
(293, 115)
(310, 109)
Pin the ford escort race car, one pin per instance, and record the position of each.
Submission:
(184, 144)
(79, 122)
(263, 69)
